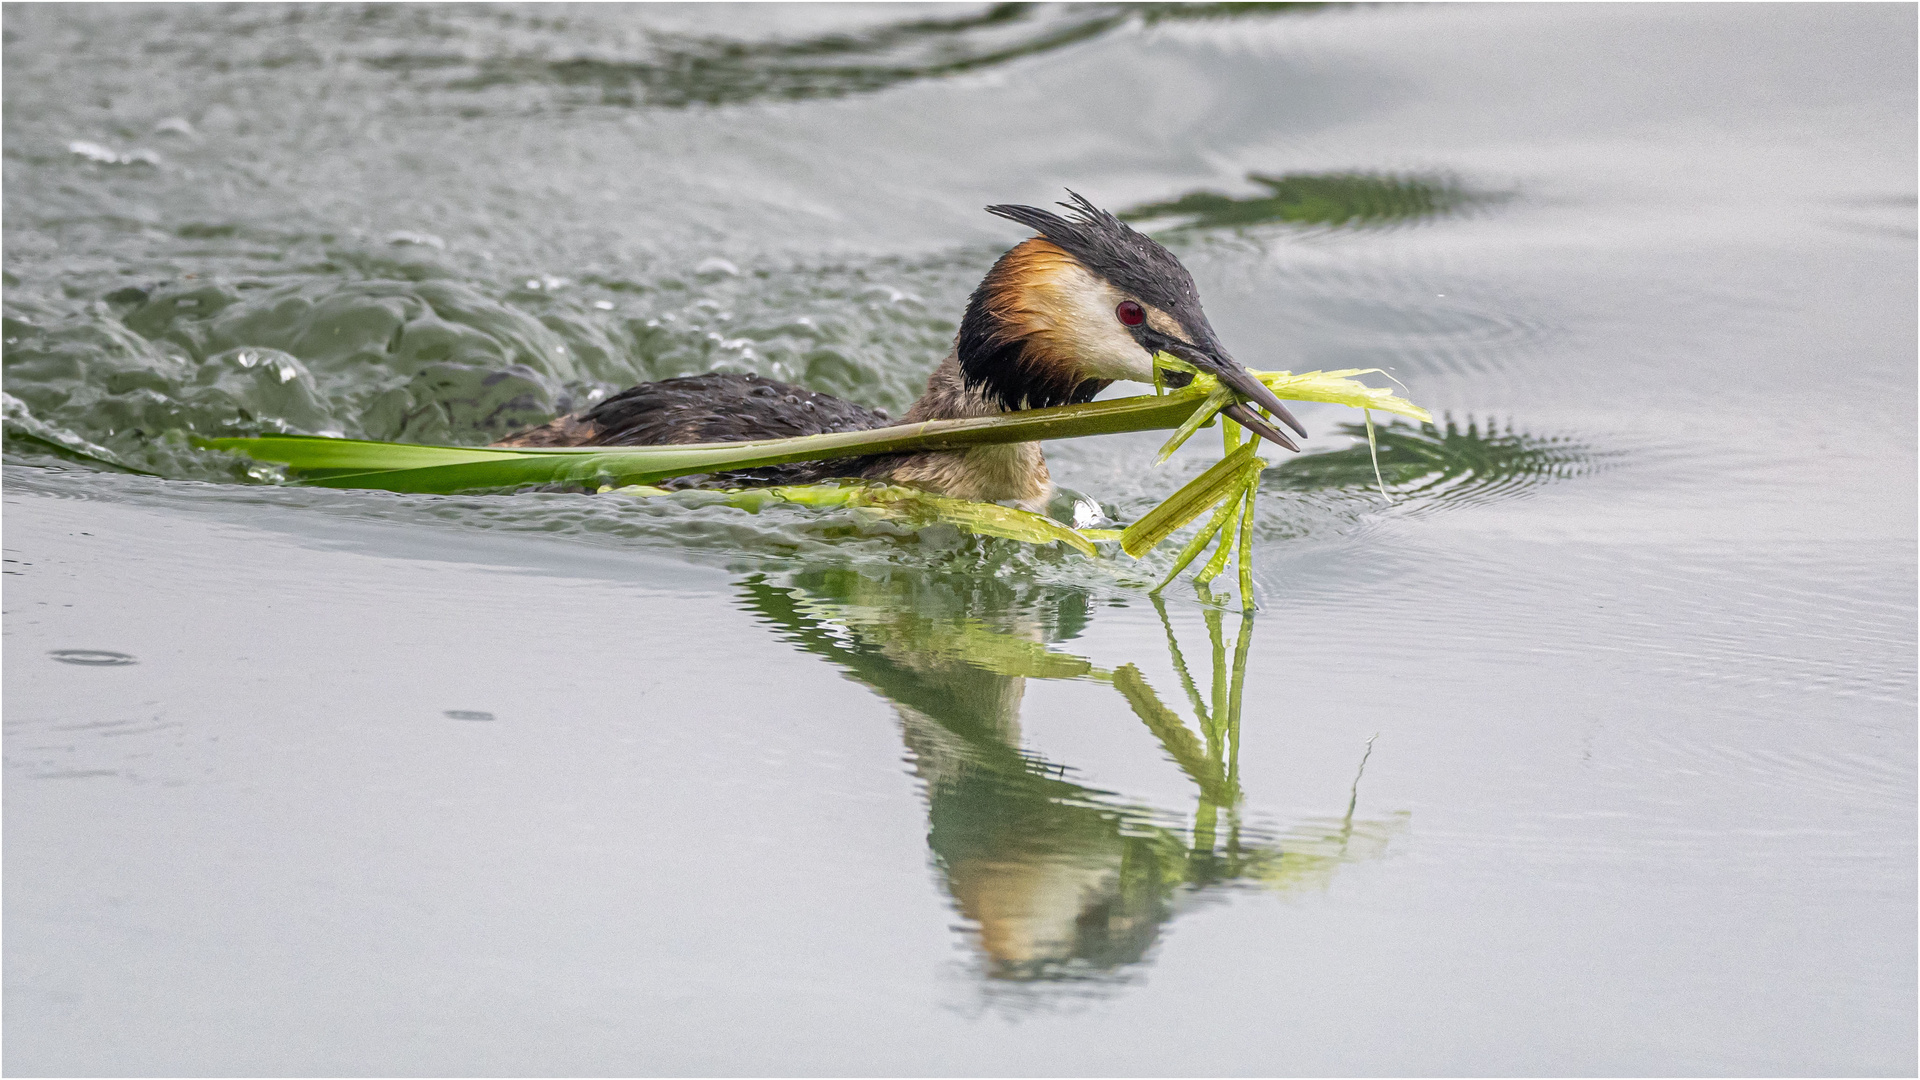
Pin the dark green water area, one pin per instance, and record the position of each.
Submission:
(1592, 751)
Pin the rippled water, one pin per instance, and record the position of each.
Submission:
(1589, 750)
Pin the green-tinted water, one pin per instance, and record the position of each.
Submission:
(349, 782)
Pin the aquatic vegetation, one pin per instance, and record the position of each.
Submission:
(911, 505)
(412, 468)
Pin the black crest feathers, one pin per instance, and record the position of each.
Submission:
(1004, 364)
(1104, 244)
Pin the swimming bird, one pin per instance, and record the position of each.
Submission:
(1057, 319)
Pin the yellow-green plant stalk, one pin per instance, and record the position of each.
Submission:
(1229, 486)
(1246, 543)
(407, 467)
(905, 504)
(1221, 515)
(1230, 439)
(416, 469)
(1225, 477)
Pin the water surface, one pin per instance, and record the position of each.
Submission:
(1590, 752)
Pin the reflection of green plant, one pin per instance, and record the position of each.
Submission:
(1447, 461)
(1349, 198)
(1061, 880)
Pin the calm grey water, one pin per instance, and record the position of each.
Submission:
(1594, 752)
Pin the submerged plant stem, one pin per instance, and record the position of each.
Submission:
(1230, 484)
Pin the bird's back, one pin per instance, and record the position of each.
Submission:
(714, 408)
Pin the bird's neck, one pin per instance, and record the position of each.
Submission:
(1011, 472)
(949, 396)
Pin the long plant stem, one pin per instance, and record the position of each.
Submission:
(352, 463)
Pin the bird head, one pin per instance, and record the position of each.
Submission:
(1089, 301)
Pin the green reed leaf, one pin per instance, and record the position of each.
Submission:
(1200, 540)
(1246, 539)
(1218, 561)
(1340, 388)
(1230, 483)
(1189, 502)
(1220, 398)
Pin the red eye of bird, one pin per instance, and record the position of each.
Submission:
(1131, 313)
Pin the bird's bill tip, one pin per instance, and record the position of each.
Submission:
(1243, 414)
(1244, 381)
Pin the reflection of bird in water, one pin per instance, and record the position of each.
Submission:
(1041, 865)
(1056, 320)
(1046, 871)
(1063, 881)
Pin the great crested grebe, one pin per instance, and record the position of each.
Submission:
(1057, 319)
